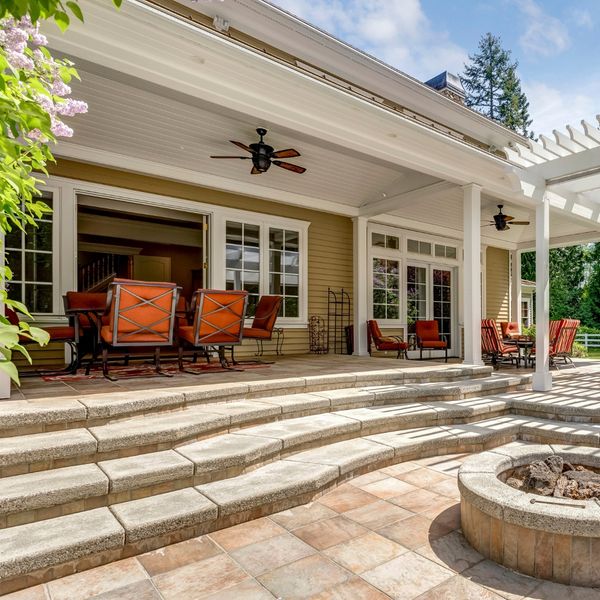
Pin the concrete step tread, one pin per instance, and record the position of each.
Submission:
(272, 487)
(16, 414)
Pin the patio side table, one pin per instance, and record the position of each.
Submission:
(524, 347)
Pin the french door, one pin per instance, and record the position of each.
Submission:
(430, 294)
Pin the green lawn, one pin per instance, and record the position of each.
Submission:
(594, 352)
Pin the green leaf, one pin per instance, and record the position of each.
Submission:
(11, 370)
(39, 335)
(62, 20)
(76, 10)
(118, 3)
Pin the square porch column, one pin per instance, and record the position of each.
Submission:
(515, 286)
(471, 292)
(542, 379)
(361, 287)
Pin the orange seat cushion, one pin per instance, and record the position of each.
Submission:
(136, 338)
(61, 333)
(256, 333)
(393, 345)
(433, 344)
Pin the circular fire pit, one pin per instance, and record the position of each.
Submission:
(529, 529)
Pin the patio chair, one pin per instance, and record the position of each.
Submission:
(59, 333)
(218, 323)
(429, 338)
(492, 345)
(510, 330)
(562, 337)
(265, 316)
(141, 314)
(382, 342)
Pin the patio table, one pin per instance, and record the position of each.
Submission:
(94, 318)
(524, 346)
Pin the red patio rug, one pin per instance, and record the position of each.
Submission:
(143, 370)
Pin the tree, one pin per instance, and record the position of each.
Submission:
(34, 99)
(567, 279)
(484, 78)
(590, 309)
(513, 110)
(493, 87)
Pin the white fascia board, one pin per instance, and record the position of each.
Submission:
(283, 30)
(132, 164)
(564, 241)
(145, 43)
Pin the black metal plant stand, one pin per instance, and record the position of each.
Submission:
(338, 319)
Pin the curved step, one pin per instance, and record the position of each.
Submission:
(22, 417)
(102, 535)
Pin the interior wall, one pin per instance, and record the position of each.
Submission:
(330, 252)
(497, 284)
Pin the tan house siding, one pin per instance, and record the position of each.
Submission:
(329, 236)
(497, 284)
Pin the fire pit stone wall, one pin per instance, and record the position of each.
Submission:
(557, 539)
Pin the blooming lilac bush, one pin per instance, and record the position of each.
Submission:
(35, 97)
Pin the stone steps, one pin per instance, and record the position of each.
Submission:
(39, 551)
(160, 431)
(22, 417)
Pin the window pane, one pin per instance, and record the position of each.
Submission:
(276, 285)
(392, 242)
(291, 262)
(424, 248)
(233, 257)
(275, 261)
(39, 238)
(15, 291)
(233, 233)
(14, 259)
(450, 252)
(38, 266)
(290, 307)
(276, 239)
(379, 311)
(440, 250)
(252, 235)
(413, 246)
(378, 239)
(251, 259)
(38, 298)
(13, 239)
(392, 312)
(292, 241)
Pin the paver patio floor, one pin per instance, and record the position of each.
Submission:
(392, 533)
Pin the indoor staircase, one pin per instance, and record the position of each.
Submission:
(90, 480)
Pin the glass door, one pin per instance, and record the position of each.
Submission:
(442, 301)
(416, 296)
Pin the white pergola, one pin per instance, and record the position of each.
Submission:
(561, 173)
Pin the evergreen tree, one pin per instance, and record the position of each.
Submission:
(485, 77)
(513, 110)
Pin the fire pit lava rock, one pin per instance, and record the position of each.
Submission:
(535, 509)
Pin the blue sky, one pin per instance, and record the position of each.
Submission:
(556, 43)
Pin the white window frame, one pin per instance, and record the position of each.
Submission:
(526, 300)
(65, 237)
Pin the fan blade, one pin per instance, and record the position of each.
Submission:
(240, 157)
(289, 166)
(508, 218)
(242, 146)
(255, 171)
(289, 153)
(520, 223)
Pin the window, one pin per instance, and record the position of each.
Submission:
(381, 240)
(442, 301)
(419, 247)
(243, 261)
(386, 289)
(265, 260)
(526, 312)
(445, 251)
(29, 256)
(284, 269)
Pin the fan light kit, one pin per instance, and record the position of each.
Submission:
(501, 220)
(263, 156)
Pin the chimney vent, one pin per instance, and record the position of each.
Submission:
(448, 85)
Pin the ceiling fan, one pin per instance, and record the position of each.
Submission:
(263, 155)
(501, 220)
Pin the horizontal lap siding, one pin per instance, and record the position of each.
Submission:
(329, 236)
(497, 284)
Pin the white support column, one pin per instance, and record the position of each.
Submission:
(515, 286)
(361, 287)
(542, 379)
(471, 291)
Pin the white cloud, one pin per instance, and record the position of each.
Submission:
(544, 35)
(582, 18)
(395, 31)
(553, 108)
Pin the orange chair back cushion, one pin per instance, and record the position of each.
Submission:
(509, 328)
(266, 313)
(428, 331)
(219, 317)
